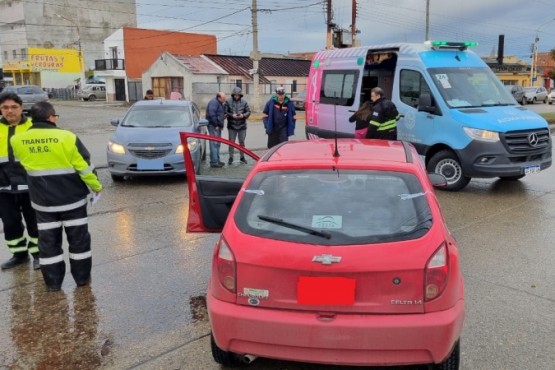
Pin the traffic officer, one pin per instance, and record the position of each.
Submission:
(15, 204)
(60, 175)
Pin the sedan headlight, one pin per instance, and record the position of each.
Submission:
(482, 135)
(192, 144)
(116, 148)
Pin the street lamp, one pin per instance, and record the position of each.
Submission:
(80, 55)
(535, 52)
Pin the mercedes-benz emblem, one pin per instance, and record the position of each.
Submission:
(533, 139)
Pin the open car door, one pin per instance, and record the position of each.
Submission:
(212, 191)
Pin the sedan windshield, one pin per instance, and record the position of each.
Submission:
(324, 207)
(470, 87)
(158, 116)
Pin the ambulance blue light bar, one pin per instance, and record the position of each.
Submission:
(437, 44)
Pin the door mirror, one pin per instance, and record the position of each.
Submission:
(203, 122)
(115, 122)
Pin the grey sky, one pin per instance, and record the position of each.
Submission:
(299, 25)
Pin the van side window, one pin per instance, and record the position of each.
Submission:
(339, 87)
(412, 85)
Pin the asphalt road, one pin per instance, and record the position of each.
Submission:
(146, 309)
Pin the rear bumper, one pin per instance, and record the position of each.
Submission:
(371, 340)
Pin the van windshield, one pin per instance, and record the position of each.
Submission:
(470, 87)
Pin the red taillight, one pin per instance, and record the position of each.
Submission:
(225, 263)
(436, 274)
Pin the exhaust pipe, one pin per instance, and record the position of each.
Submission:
(247, 359)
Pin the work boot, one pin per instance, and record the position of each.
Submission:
(36, 262)
(230, 161)
(17, 259)
(243, 160)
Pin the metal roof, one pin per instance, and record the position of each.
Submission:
(268, 67)
(199, 64)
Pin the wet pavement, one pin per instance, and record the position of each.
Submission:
(145, 307)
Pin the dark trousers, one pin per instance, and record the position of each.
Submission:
(52, 265)
(236, 134)
(278, 135)
(14, 207)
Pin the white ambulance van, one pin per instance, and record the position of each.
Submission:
(454, 109)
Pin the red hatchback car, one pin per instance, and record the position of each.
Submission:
(330, 253)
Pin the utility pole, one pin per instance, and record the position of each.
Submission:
(354, 22)
(329, 35)
(427, 36)
(255, 56)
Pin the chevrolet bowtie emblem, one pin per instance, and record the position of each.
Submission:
(326, 259)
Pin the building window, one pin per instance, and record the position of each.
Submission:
(23, 54)
(14, 52)
(164, 86)
(114, 52)
(5, 55)
(294, 86)
(239, 83)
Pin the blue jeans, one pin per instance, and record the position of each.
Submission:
(214, 146)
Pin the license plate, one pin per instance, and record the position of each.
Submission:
(531, 169)
(337, 291)
(150, 164)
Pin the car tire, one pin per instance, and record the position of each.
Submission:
(92, 98)
(117, 178)
(511, 178)
(222, 357)
(453, 361)
(446, 163)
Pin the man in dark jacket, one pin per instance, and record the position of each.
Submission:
(60, 180)
(215, 115)
(14, 190)
(279, 118)
(383, 121)
(237, 111)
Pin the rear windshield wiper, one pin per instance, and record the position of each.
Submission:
(290, 225)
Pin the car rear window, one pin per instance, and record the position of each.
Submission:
(29, 90)
(158, 116)
(350, 207)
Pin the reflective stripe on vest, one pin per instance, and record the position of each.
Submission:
(66, 207)
(61, 171)
(387, 125)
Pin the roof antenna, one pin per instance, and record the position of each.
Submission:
(336, 152)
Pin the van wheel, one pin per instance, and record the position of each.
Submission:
(446, 163)
(452, 362)
(92, 98)
(222, 357)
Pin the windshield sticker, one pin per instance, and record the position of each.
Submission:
(254, 191)
(444, 80)
(327, 221)
(411, 196)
